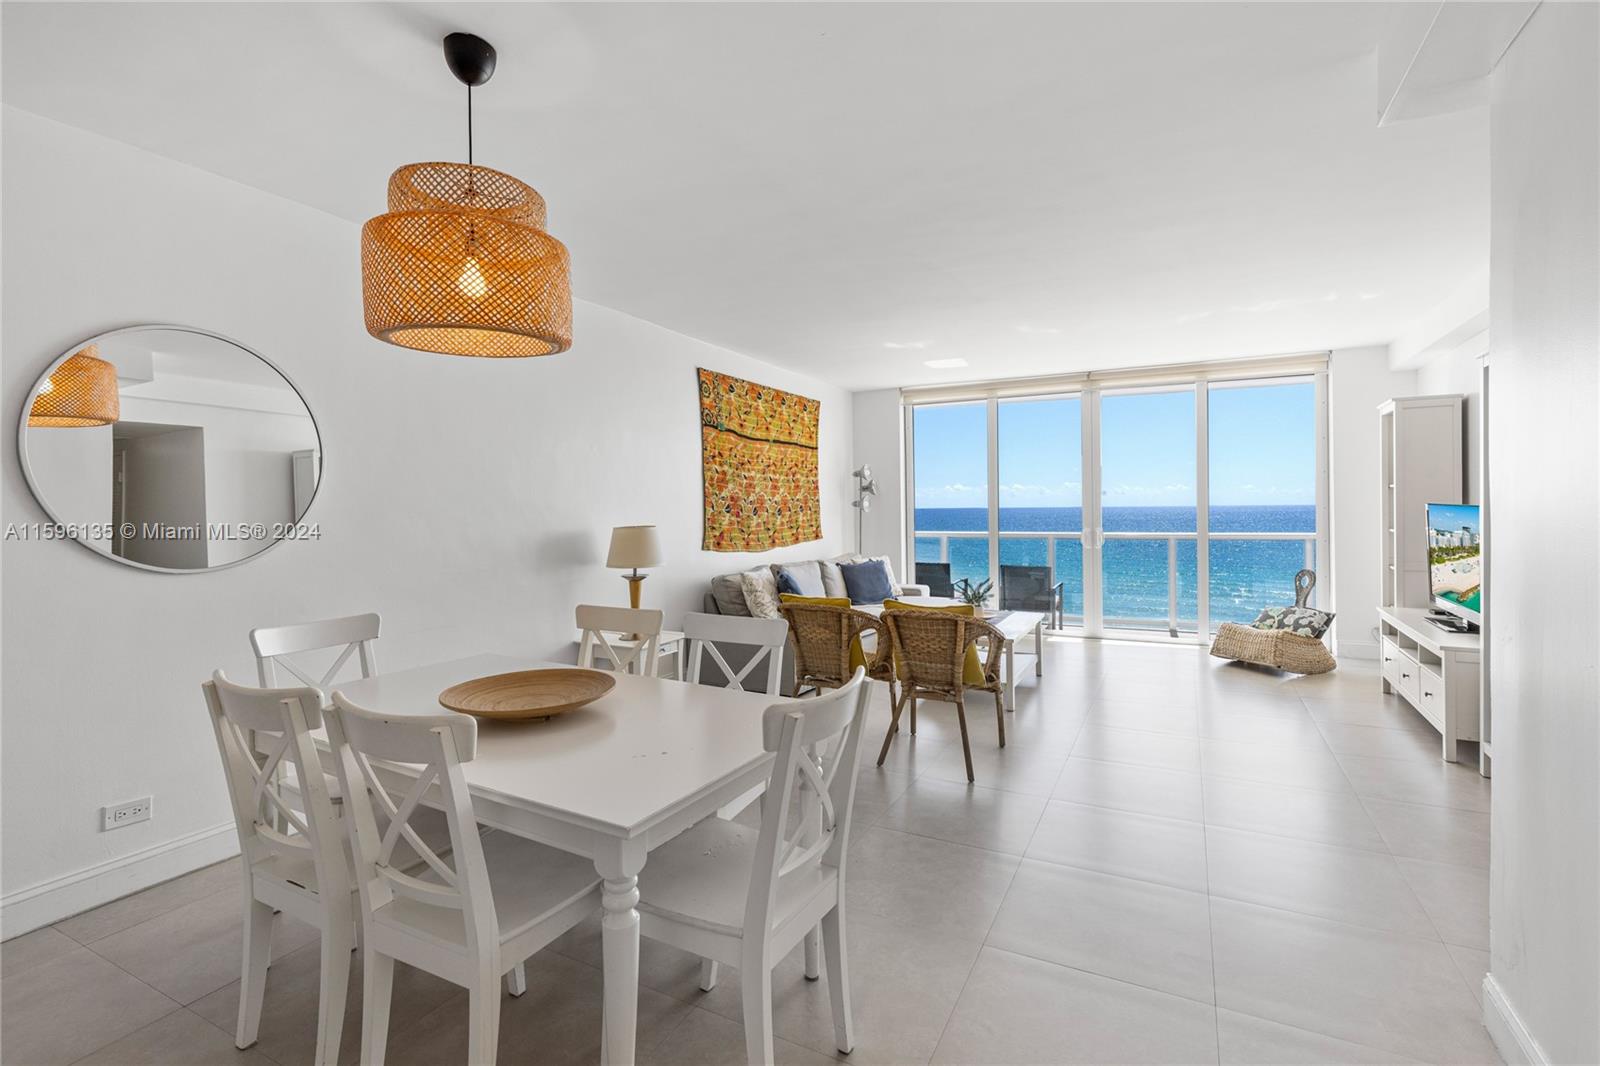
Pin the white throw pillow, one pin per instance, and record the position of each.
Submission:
(760, 592)
(807, 577)
(832, 579)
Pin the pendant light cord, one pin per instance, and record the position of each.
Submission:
(469, 125)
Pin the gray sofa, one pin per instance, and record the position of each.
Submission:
(720, 598)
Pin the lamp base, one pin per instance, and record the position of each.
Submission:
(635, 582)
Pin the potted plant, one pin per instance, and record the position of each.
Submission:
(976, 595)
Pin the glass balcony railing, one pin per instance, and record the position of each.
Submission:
(1149, 580)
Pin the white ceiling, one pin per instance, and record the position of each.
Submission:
(849, 189)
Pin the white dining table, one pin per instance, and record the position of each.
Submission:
(610, 781)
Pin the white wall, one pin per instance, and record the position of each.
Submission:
(1544, 535)
(1359, 379)
(469, 501)
(880, 442)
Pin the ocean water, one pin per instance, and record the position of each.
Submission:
(1245, 575)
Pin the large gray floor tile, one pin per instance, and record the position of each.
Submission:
(1136, 931)
(1384, 990)
(1180, 718)
(1474, 966)
(966, 814)
(64, 1009)
(152, 902)
(556, 1022)
(1128, 787)
(903, 989)
(1141, 846)
(182, 1038)
(288, 1032)
(1418, 742)
(1442, 834)
(1236, 723)
(1246, 1041)
(1430, 781)
(1018, 767)
(1455, 897)
(1022, 1010)
(1305, 814)
(706, 1039)
(923, 883)
(33, 949)
(1273, 765)
(1344, 884)
(195, 949)
(1391, 712)
(1168, 751)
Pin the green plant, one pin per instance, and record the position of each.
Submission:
(976, 595)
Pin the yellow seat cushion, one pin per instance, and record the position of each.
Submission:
(858, 655)
(972, 668)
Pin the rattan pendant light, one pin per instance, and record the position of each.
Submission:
(461, 264)
(81, 392)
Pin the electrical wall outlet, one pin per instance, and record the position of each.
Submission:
(121, 814)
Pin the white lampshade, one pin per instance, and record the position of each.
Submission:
(633, 547)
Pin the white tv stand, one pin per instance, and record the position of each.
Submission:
(1435, 670)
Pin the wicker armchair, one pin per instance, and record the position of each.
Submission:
(822, 636)
(930, 648)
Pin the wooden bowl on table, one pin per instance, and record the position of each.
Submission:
(528, 693)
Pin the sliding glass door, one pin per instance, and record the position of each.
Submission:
(1040, 519)
(1147, 510)
(1158, 509)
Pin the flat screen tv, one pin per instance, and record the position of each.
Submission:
(1455, 559)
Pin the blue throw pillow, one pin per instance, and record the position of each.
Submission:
(786, 583)
(867, 582)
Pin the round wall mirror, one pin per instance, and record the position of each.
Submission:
(170, 448)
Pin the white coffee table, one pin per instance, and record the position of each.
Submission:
(1013, 625)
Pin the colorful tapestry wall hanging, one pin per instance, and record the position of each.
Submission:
(758, 449)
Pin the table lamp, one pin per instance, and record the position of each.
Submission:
(631, 548)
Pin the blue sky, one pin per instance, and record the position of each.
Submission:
(1263, 450)
(1453, 516)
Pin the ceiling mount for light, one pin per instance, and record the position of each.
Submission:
(461, 264)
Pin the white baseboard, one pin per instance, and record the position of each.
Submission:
(50, 901)
(1357, 649)
(1516, 1045)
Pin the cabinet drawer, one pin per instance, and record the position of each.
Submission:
(1430, 700)
(1391, 663)
(1409, 680)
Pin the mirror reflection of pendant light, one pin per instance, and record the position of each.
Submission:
(82, 391)
(461, 264)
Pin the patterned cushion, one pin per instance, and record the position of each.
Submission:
(1301, 621)
(760, 592)
(729, 594)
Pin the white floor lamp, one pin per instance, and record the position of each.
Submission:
(866, 488)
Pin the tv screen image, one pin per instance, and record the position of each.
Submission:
(1455, 559)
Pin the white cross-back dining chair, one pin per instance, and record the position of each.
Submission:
(768, 636)
(727, 892)
(469, 919)
(294, 854)
(355, 634)
(635, 655)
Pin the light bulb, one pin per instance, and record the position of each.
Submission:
(471, 282)
(48, 386)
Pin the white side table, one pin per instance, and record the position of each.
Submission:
(672, 647)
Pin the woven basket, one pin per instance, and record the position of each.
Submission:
(1277, 648)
